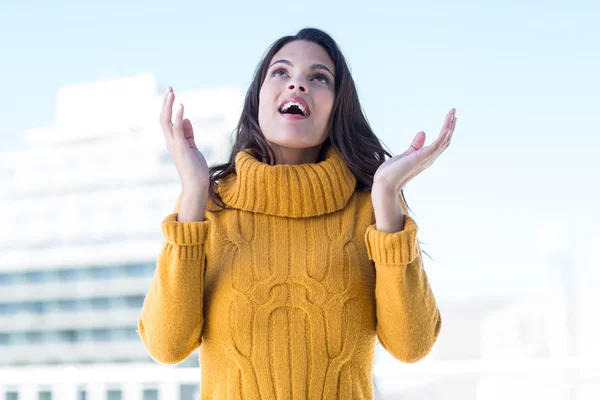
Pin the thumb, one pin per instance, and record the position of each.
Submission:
(417, 143)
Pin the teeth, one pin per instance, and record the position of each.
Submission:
(293, 103)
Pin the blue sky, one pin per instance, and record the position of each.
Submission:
(522, 76)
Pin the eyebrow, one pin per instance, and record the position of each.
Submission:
(312, 67)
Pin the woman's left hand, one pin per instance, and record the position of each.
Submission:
(396, 172)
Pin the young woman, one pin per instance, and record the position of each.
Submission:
(286, 264)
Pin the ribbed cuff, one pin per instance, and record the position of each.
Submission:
(398, 248)
(184, 233)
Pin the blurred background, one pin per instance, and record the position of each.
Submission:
(509, 213)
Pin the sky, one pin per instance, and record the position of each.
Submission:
(522, 75)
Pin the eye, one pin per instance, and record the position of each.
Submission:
(276, 72)
(323, 77)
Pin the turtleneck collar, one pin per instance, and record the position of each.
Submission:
(288, 190)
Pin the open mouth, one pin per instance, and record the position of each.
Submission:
(294, 108)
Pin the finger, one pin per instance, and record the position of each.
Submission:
(452, 120)
(417, 143)
(446, 129)
(452, 131)
(446, 142)
(178, 124)
(433, 151)
(169, 90)
(448, 120)
(430, 159)
(188, 132)
(448, 138)
(441, 143)
(165, 110)
(437, 144)
(166, 114)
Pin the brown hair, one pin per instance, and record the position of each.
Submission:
(349, 130)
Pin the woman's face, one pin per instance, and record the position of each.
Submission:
(297, 96)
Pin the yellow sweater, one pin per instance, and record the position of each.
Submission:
(286, 294)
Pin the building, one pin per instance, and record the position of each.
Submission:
(81, 208)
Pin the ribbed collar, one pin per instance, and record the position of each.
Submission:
(288, 190)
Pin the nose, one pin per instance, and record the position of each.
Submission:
(300, 88)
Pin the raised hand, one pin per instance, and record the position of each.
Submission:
(396, 172)
(189, 161)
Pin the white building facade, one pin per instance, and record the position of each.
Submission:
(81, 209)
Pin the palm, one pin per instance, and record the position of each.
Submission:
(399, 170)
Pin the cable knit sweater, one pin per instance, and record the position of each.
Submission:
(286, 293)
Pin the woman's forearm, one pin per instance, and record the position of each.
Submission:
(388, 212)
(192, 207)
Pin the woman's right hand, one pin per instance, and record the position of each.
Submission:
(189, 161)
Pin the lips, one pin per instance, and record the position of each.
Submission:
(295, 99)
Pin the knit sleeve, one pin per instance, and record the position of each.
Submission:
(171, 319)
(408, 319)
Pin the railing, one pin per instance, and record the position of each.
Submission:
(551, 378)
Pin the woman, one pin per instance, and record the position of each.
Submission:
(286, 264)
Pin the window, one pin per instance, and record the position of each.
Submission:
(102, 272)
(34, 337)
(5, 339)
(68, 274)
(36, 276)
(189, 392)
(18, 338)
(100, 303)
(68, 305)
(69, 336)
(7, 279)
(130, 333)
(101, 334)
(36, 307)
(150, 394)
(139, 269)
(9, 308)
(134, 301)
(51, 337)
(114, 395)
(12, 396)
(45, 395)
(85, 336)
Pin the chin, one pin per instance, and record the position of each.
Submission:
(294, 140)
(293, 144)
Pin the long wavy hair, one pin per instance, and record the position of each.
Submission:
(349, 131)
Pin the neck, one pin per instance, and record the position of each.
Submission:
(295, 156)
(296, 191)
